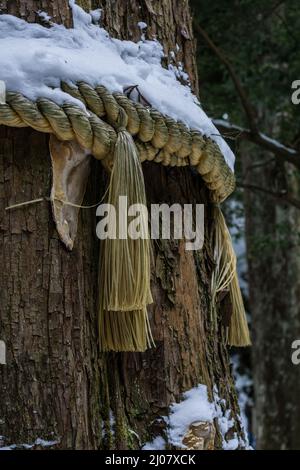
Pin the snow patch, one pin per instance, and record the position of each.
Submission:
(96, 15)
(237, 232)
(194, 407)
(225, 422)
(243, 385)
(44, 443)
(34, 59)
(38, 442)
(232, 444)
(157, 444)
(142, 25)
(111, 425)
(44, 16)
(112, 422)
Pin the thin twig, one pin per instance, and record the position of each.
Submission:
(252, 134)
(289, 154)
(254, 166)
(52, 199)
(282, 198)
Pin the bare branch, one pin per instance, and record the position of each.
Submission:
(252, 134)
(254, 166)
(282, 198)
(236, 132)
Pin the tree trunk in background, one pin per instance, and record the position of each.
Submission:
(56, 385)
(274, 271)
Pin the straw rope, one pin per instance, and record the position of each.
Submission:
(94, 125)
(104, 125)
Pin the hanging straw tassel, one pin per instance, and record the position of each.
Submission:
(125, 262)
(225, 277)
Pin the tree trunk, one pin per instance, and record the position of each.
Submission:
(274, 272)
(56, 385)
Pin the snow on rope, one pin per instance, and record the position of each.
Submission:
(34, 60)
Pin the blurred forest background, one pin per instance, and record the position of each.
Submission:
(248, 58)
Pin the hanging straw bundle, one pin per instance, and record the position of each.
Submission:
(125, 262)
(124, 271)
(225, 278)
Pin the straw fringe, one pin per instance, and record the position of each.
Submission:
(225, 277)
(125, 331)
(238, 334)
(125, 263)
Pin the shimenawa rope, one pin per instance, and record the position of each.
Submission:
(105, 126)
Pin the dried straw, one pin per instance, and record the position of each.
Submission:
(225, 277)
(125, 263)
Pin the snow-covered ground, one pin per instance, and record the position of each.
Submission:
(34, 59)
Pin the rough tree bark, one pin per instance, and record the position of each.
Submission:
(56, 385)
(274, 271)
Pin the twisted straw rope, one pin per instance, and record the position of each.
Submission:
(157, 137)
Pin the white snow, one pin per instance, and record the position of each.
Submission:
(243, 385)
(2, 354)
(232, 444)
(96, 15)
(45, 17)
(277, 144)
(34, 59)
(225, 422)
(179, 72)
(43, 443)
(2, 92)
(142, 25)
(112, 422)
(158, 443)
(237, 232)
(194, 407)
(223, 123)
(38, 442)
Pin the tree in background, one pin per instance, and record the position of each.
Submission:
(260, 41)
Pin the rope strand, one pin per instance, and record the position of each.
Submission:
(67, 203)
(157, 136)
